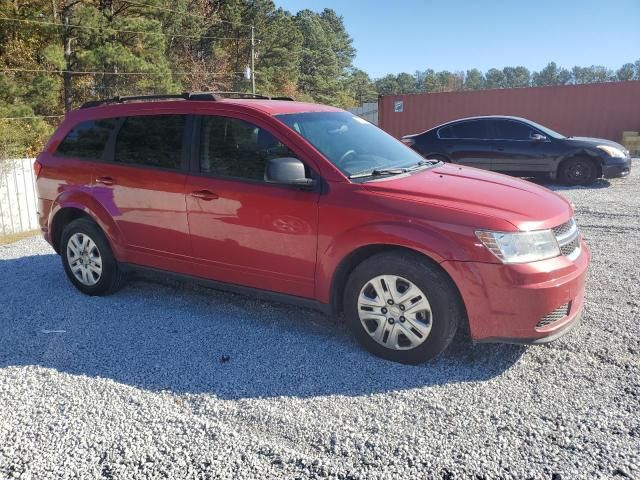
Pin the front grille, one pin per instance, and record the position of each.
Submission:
(558, 314)
(569, 248)
(568, 237)
(563, 229)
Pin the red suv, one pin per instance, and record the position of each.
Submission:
(311, 205)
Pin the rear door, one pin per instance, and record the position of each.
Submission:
(141, 184)
(517, 151)
(468, 143)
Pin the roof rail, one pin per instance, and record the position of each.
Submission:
(133, 98)
(211, 96)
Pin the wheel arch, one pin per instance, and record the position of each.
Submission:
(364, 252)
(580, 153)
(74, 205)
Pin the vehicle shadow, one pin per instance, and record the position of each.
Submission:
(193, 340)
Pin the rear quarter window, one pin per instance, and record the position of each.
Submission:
(87, 139)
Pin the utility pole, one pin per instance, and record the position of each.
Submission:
(253, 56)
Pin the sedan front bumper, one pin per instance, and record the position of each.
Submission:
(614, 167)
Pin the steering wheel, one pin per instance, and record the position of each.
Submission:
(345, 155)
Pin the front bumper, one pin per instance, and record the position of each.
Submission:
(614, 167)
(506, 303)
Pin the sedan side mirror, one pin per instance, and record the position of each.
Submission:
(536, 137)
(287, 171)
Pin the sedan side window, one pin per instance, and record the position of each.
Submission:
(231, 147)
(475, 129)
(508, 130)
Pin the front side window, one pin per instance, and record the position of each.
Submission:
(87, 139)
(235, 148)
(474, 129)
(151, 140)
(352, 144)
(508, 130)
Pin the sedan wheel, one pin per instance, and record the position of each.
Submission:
(394, 312)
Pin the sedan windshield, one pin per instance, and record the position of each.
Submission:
(355, 146)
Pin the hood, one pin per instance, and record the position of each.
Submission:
(523, 204)
(594, 142)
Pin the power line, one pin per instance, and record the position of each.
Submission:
(76, 72)
(109, 29)
(137, 4)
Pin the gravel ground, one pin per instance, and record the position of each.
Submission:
(173, 381)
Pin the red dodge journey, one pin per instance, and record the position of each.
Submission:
(312, 205)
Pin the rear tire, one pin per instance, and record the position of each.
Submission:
(414, 319)
(577, 171)
(88, 260)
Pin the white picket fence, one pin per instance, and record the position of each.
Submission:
(18, 199)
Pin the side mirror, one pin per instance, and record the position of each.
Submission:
(287, 171)
(536, 137)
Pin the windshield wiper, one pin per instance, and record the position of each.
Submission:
(422, 164)
(376, 172)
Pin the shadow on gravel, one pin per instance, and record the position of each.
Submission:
(556, 187)
(192, 340)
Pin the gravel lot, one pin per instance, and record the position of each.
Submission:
(172, 381)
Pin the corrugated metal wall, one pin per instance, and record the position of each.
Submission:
(602, 110)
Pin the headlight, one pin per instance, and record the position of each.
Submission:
(612, 151)
(520, 247)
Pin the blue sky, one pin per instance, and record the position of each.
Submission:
(409, 35)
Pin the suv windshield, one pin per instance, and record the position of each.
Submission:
(352, 144)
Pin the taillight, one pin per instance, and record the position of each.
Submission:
(37, 166)
(409, 142)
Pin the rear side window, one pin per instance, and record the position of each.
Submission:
(470, 130)
(87, 139)
(234, 148)
(508, 130)
(151, 140)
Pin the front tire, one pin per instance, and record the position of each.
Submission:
(577, 171)
(401, 307)
(88, 260)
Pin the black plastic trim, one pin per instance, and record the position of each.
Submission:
(231, 287)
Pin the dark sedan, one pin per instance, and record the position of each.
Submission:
(522, 147)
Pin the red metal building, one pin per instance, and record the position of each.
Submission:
(602, 110)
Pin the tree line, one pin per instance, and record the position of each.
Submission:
(57, 54)
(508, 77)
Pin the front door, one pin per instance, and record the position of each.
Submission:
(243, 230)
(517, 150)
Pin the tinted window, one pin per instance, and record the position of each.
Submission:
(235, 148)
(507, 130)
(154, 140)
(87, 139)
(472, 129)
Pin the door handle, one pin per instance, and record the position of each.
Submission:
(105, 180)
(500, 149)
(204, 195)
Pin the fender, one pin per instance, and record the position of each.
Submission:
(432, 243)
(82, 200)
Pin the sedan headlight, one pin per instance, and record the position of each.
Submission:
(612, 151)
(520, 247)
